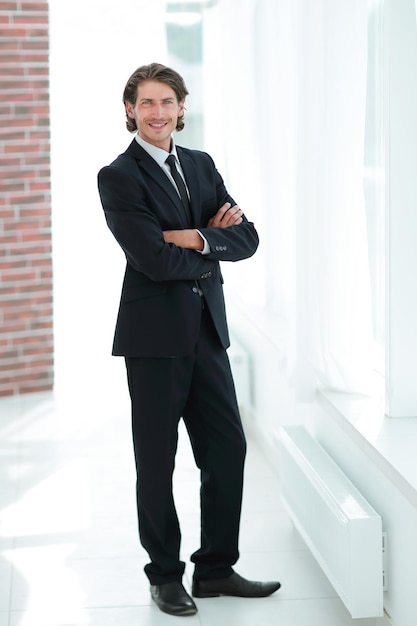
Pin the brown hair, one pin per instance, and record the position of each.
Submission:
(154, 71)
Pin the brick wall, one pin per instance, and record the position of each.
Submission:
(26, 337)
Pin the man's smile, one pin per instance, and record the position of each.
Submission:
(157, 124)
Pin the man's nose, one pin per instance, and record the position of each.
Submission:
(158, 111)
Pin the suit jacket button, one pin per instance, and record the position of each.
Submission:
(195, 290)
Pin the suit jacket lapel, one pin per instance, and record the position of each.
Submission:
(152, 168)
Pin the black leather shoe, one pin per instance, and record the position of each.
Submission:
(173, 599)
(234, 585)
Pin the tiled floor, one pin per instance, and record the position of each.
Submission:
(69, 549)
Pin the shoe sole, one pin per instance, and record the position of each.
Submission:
(184, 612)
(217, 594)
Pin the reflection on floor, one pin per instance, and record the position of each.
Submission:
(69, 549)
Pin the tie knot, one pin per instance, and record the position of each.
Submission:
(171, 160)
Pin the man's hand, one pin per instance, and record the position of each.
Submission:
(187, 238)
(226, 216)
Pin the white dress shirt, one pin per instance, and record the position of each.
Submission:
(160, 156)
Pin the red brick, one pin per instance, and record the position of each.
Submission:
(8, 239)
(37, 160)
(12, 70)
(9, 163)
(14, 264)
(29, 340)
(11, 187)
(32, 44)
(44, 349)
(32, 109)
(9, 45)
(9, 6)
(12, 33)
(35, 212)
(23, 96)
(21, 174)
(8, 276)
(23, 18)
(29, 249)
(40, 186)
(8, 354)
(26, 225)
(26, 199)
(15, 327)
(41, 324)
(37, 71)
(38, 32)
(34, 6)
(11, 135)
(20, 376)
(37, 388)
(41, 57)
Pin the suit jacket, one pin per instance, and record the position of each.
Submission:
(160, 308)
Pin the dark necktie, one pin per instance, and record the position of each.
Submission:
(180, 185)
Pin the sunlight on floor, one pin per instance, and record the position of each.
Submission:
(70, 554)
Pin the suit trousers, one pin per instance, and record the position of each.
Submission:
(198, 388)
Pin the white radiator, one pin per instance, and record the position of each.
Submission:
(339, 526)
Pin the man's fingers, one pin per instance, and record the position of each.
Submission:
(224, 209)
(226, 216)
(232, 215)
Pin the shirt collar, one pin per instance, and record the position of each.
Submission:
(159, 155)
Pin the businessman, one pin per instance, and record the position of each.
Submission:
(170, 212)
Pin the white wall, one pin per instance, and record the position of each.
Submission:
(94, 50)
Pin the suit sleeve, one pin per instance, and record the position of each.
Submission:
(139, 233)
(231, 244)
(236, 242)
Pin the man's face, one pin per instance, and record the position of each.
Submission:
(156, 112)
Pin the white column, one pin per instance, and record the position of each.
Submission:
(401, 207)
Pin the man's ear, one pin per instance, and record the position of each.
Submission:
(129, 110)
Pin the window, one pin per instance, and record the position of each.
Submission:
(185, 53)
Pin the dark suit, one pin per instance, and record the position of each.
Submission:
(172, 330)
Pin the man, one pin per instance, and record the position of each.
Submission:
(175, 222)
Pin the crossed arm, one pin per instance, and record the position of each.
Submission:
(189, 238)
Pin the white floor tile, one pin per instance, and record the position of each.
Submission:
(50, 578)
(117, 616)
(267, 612)
(107, 537)
(70, 554)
